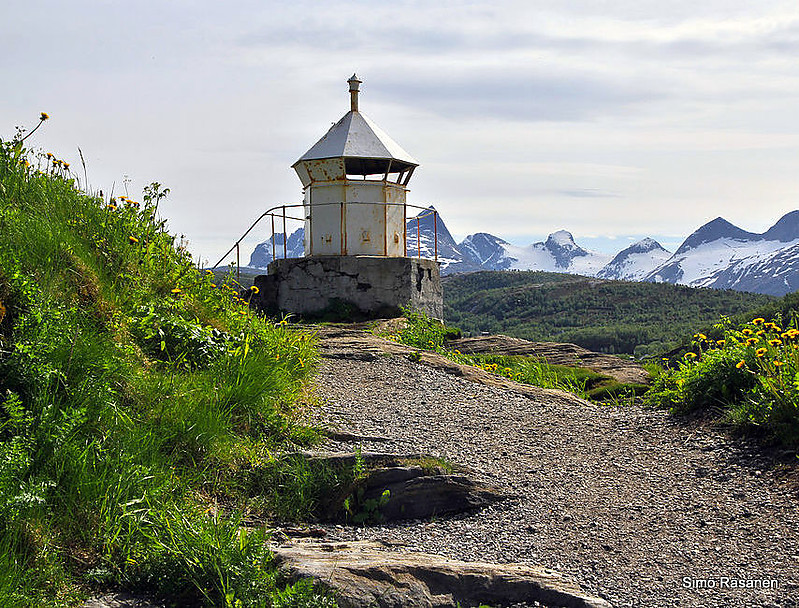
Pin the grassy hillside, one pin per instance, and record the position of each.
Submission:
(606, 316)
(136, 399)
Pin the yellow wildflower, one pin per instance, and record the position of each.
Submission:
(133, 239)
(747, 332)
(778, 363)
(44, 116)
(177, 290)
(760, 352)
(690, 355)
(721, 342)
(740, 364)
(254, 289)
(700, 336)
(775, 342)
(758, 321)
(751, 341)
(761, 332)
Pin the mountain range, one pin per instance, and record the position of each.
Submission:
(718, 255)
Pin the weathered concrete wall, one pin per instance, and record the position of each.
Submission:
(375, 286)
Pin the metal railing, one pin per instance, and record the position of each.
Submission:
(279, 212)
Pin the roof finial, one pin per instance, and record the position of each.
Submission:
(355, 85)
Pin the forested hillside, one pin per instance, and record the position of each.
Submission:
(602, 315)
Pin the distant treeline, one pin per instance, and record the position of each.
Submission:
(602, 315)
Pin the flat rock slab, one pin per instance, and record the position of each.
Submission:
(369, 574)
(121, 600)
(554, 353)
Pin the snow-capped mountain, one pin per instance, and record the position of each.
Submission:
(480, 251)
(487, 250)
(421, 234)
(718, 255)
(295, 248)
(723, 256)
(559, 253)
(635, 262)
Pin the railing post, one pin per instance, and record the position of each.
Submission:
(405, 229)
(285, 236)
(418, 239)
(435, 233)
(238, 265)
(272, 217)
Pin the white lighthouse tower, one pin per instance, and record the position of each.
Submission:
(355, 182)
(355, 179)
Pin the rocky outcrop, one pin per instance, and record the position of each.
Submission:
(395, 487)
(553, 353)
(365, 574)
(353, 342)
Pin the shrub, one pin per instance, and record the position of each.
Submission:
(421, 331)
(751, 375)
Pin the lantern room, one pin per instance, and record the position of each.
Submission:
(354, 181)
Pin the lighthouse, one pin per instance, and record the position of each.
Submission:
(355, 180)
(355, 183)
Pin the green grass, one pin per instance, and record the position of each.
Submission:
(601, 315)
(132, 386)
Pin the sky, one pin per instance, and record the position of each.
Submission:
(614, 120)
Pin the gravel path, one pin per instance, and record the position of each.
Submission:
(637, 508)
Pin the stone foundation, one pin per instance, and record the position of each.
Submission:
(339, 286)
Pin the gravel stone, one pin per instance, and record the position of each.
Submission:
(636, 506)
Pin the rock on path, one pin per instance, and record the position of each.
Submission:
(365, 574)
(638, 508)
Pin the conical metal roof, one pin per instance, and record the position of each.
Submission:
(359, 140)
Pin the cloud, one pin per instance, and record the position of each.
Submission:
(599, 117)
(589, 193)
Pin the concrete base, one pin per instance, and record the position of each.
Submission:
(338, 286)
